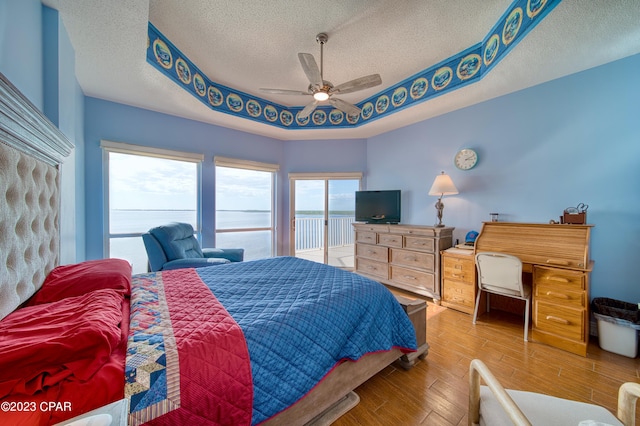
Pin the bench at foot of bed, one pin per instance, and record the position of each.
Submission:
(416, 309)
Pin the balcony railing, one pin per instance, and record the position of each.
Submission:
(310, 232)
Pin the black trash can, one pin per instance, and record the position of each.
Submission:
(618, 325)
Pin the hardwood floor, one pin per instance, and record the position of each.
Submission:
(435, 390)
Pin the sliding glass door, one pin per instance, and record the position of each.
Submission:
(322, 211)
(341, 214)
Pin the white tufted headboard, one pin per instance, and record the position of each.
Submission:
(31, 150)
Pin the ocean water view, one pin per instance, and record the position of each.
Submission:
(257, 244)
(129, 221)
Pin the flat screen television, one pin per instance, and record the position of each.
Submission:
(378, 206)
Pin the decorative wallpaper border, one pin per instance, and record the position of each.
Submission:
(457, 71)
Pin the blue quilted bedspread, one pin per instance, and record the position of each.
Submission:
(300, 319)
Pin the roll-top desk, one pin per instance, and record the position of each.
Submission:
(402, 256)
(557, 256)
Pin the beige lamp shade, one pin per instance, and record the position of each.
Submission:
(443, 185)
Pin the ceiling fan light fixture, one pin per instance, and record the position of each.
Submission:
(321, 96)
(321, 89)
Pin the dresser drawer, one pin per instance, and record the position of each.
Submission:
(373, 252)
(562, 279)
(390, 240)
(420, 243)
(414, 259)
(552, 293)
(368, 227)
(459, 293)
(413, 230)
(366, 237)
(371, 267)
(559, 320)
(458, 269)
(413, 278)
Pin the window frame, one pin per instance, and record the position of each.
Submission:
(145, 151)
(221, 161)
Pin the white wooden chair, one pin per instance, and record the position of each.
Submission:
(492, 405)
(501, 273)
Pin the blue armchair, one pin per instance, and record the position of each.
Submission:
(173, 246)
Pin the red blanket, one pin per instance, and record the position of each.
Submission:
(62, 359)
(207, 374)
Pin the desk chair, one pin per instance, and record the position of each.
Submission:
(495, 406)
(500, 273)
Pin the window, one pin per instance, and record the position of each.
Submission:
(245, 200)
(146, 187)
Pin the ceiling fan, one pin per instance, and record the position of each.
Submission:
(323, 90)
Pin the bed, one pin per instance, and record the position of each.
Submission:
(274, 341)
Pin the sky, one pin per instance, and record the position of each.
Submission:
(148, 183)
(310, 194)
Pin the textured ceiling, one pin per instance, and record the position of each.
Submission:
(248, 44)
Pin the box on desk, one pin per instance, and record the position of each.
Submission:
(574, 218)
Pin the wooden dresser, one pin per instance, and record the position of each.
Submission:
(557, 256)
(402, 256)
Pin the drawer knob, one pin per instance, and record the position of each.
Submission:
(557, 319)
(409, 277)
(557, 279)
(558, 295)
(558, 262)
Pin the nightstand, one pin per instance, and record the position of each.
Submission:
(118, 410)
(459, 288)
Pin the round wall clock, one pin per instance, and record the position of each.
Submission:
(466, 159)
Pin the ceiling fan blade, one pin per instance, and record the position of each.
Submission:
(310, 67)
(344, 106)
(306, 111)
(284, 91)
(358, 84)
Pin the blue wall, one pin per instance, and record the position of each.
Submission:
(21, 62)
(37, 57)
(552, 146)
(64, 106)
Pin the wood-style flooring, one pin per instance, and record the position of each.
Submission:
(435, 390)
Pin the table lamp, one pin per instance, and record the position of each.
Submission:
(442, 185)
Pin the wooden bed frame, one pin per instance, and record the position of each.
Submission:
(27, 136)
(335, 395)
